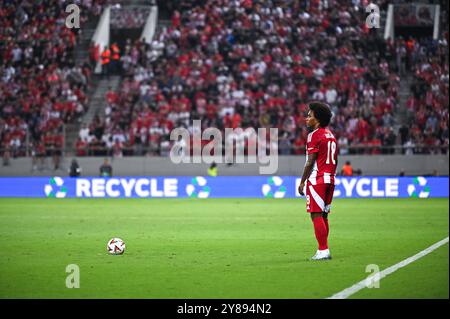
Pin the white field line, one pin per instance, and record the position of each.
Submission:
(363, 283)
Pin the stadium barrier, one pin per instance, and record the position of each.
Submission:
(150, 26)
(217, 187)
(290, 165)
(101, 35)
(93, 150)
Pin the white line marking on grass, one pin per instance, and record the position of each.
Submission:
(362, 284)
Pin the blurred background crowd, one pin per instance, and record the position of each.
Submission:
(229, 63)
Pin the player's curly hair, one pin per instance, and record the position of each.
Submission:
(322, 112)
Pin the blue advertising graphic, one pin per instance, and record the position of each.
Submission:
(217, 187)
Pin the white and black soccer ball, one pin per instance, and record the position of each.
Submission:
(115, 246)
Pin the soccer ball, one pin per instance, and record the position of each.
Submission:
(116, 246)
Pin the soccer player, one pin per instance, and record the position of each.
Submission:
(319, 173)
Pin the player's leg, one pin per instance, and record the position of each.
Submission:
(315, 206)
(320, 230)
(325, 220)
(328, 199)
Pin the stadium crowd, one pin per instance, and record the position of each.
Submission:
(229, 63)
(40, 86)
(428, 105)
(128, 17)
(254, 64)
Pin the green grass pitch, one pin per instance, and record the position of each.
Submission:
(218, 248)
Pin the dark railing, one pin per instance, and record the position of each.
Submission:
(292, 150)
(94, 150)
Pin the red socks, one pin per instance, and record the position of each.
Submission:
(321, 231)
(326, 225)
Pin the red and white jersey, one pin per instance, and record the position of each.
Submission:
(322, 142)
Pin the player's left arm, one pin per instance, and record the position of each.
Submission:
(307, 171)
